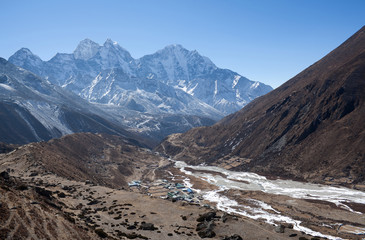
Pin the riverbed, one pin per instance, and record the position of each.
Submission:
(232, 186)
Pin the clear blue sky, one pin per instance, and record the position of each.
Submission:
(268, 41)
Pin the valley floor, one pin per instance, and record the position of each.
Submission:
(31, 198)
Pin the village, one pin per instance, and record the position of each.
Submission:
(165, 189)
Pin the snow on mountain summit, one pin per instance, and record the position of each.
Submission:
(86, 49)
(198, 76)
(111, 55)
(91, 65)
(109, 41)
(24, 54)
(26, 59)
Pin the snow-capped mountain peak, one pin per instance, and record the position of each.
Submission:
(25, 54)
(114, 46)
(171, 70)
(25, 51)
(110, 42)
(174, 47)
(25, 58)
(111, 55)
(180, 55)
(86, 49)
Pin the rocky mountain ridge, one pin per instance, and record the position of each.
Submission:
(106, 74)
(32, 109)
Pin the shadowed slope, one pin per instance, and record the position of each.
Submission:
(32, 109)
(311, 127)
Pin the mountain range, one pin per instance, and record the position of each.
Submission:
(170, 91)
(34, 110)
(173, 80)
(310, 128)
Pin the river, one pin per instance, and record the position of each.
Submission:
(246, 181)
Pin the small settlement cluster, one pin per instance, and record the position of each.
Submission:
(167, 190)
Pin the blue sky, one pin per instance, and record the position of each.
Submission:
(268, 41)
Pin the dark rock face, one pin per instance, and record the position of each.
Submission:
(310, 128)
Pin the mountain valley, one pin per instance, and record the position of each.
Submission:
(310, 129)
(84, 185)
(98, 145)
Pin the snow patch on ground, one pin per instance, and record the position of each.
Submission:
(7, 87)
(255, 85)
(215, 87)
(235, 80)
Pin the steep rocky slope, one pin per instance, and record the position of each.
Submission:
(32, 109)
(312, 127)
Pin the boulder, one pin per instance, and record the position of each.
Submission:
(33, 174)
(280, 228)
(224, 217)
(200, 226)
(61, 195)
(101, 233)
(233, 237)
(147, 226)
(205, 229)
(206, 217)
(5, 175)
(206, 233)
(43, 192)
(93, 202)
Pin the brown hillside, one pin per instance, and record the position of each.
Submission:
(312, 127)
(30, 213)
(52, 190)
